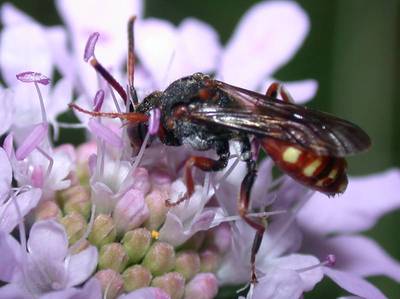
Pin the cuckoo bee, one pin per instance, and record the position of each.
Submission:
(197, 110)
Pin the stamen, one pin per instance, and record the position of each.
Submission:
(89, 229)
(154, 121)
(329, 261)
(256, 215)
(42, 107)
(48, 157)
(109, 78)
(98, 100)
(115, 100)
(71, 125)
(30, 77)
(90, 46)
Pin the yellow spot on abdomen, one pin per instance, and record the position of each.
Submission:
(155, 234)
(332, 175)
(312, 167)
(291, 155)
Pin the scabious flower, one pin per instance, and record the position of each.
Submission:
(96, 217)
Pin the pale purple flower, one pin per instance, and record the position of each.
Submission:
(47, 265)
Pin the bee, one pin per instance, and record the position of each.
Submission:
(205, 113)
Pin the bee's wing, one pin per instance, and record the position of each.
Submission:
(257, 114)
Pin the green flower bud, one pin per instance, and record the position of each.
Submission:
(103, 231)
(77, 199)
(160, 258)
(172, 283)
(75, 226)
(187, 263)
(136, 243)
(136, 277)
(113, 256)
(155, 201)
(111, 282)
(209, 260)
(47, 209)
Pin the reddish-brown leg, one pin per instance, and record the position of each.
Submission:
(205, 164)
(244, 204)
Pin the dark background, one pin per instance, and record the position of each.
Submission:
(353, 51)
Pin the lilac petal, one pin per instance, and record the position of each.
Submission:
(103, 132)
(146, 293)
(80, 266)
(91, 290)
(267, 37)
(301, 91)
(9, 260)
(174, 232)
(154, 121)
(98, 100)
(278, 284)
(6, 111)
(10, 15)
(48, 241)
(90, 46)
(362, 256)
(5, 175)
(26, 201)
(59, 97)
(354, 284)
(14, 291)
(297, 262)
(34, 139)
(30, 77)
(8, 145)
(24, 47)
(349, 212)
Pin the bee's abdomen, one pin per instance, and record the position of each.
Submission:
(326, 174)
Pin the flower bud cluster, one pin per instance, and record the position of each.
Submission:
(130, 255)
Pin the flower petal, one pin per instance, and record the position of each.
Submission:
(9, 260)
(110, 21)
(80, 266)
(10, 15)
(349, 212)
(91, 290)
(26, 201)
(268, 36)
(105, 133)
(6, 111)
(362, 256)
(300, 261)
(278, 284)
(14, 291)
(48, 241)
(301, 91)
(23, 47)
(5, 175)
(354, 284)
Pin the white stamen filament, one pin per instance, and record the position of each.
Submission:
(329, 261)
(114, 99)
(256, 215)
(42, 107)
(48, 157)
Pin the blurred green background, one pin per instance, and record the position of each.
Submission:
(353, 51)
